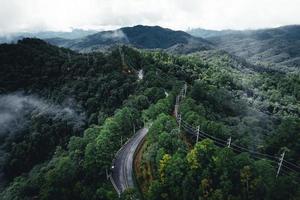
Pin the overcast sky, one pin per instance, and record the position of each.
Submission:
(37, 15)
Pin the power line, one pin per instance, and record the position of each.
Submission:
(253, 155)
(207, 135)
(255, 152)
(190, 130)
(221, 140)
(294, 165)
(196, 132)
(289, 168)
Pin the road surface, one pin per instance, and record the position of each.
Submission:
(122, 169)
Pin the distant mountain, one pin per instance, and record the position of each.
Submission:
(277, 48)
(205, 33)
(74, 34)
(147, 37)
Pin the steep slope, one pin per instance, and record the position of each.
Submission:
(48, 94)
(146, 37)
(277, 48)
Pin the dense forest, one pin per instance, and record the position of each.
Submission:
(226, 101)
(66, 112)
(275, 48)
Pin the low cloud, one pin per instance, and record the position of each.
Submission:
(16, 110)
(38, 15)
(115, 35)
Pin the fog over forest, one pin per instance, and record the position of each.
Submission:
(17, 108)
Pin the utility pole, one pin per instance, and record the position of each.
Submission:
(229, 142)
(280, 163)
(176, 110)
(179, 121)
(176, 106)
(177, 100)
(107, 175)
(198, 131)
(185, 89)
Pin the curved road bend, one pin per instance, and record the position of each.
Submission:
(122, 172)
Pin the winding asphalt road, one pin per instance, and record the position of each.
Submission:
(122, 170)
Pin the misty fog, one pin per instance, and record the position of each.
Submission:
(17, 108)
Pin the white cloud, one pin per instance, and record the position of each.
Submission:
(36, 15)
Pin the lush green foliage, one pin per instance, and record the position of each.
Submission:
(227, 100)
(50, 159)
(61, 162)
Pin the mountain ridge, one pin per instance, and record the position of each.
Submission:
(276, 48)
(147, 37)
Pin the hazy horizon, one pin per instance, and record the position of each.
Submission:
(70, 30)
(58, 15)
